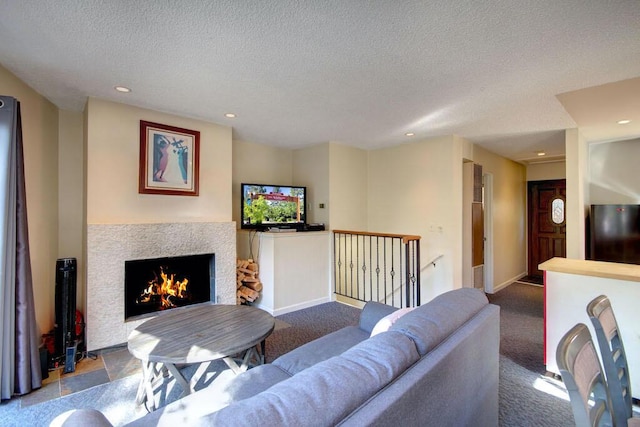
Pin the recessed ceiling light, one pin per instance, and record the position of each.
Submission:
(623, 122)
(541, 153)
(122, 89)
(409, 134)
(230, 115)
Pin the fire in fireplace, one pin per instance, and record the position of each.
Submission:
(156, 284)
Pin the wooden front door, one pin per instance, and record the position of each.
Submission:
(547, 222)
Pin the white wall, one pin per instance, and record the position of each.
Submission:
(40, 139)
(614, 172)
(113, 145)
(417, 189)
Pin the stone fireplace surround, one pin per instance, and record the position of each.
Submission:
(110, 245)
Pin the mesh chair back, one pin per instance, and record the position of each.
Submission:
(614, 359)
(583, 376)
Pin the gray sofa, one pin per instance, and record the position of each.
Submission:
(436, 365)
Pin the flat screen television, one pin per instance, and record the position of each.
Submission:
(615, 233)
(272, 206)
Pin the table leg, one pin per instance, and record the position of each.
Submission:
(186, 389)
(151, 372)
(196, 376)
(246, 359)
(263, 354)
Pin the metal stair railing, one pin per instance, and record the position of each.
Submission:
(381, 267)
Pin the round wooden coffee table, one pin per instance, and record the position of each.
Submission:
(197, 334)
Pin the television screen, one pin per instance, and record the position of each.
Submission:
(272, 206)
(615, 233)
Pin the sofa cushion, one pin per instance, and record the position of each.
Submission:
(385, 323)
(320, 349)
(227, 388)
(431, 323)
(372, 312)
(325, 393)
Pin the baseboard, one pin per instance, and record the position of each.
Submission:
(508, 282)
(295, 307)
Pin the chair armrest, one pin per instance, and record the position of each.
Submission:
(372, 313)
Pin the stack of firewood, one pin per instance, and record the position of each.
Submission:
(247, 282)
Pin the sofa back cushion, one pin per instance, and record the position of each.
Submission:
(320, 349)
(431, 323)
(325, 393)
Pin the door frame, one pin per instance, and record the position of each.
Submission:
(487, 181)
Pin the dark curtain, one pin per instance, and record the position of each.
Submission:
(20, 358)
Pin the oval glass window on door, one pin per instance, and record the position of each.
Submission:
(557, 211)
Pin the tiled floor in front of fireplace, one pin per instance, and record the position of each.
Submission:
(97, 368)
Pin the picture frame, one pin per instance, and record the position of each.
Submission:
(169, 160)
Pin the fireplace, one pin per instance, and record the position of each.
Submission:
(156, 284)
(109, 246)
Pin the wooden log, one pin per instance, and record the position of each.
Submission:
(256, 286)
(248, 292)
(248, 285)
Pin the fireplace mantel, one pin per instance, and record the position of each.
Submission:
(110, 245)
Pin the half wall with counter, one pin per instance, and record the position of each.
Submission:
(295, 268)
(569, 287)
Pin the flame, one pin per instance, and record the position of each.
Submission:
(167, 288)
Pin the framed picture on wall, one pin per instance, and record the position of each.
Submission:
(169, 160)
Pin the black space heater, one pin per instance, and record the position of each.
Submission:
(65, 327)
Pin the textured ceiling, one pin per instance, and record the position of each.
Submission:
(361, 73)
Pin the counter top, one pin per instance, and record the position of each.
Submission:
(610, 270)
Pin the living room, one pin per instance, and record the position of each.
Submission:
(82, 170)
(112, 132)
(72, 154)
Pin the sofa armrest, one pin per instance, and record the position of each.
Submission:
(81, 418)
(372, 313)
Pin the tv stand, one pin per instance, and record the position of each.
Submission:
(294, 268)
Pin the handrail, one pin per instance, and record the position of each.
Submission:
(405, 237)
(432, 262)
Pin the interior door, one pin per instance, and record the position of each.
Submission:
(547, 222)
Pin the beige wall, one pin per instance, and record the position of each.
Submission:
(417, 189)
(348, 182)
(577, 154)
(546, 171)
(113, 144)
(40, 136)
(71, 202)
(311, 169)
(509, 215)
(258, 164)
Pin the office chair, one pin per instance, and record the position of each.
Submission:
(614, 359)
(584, 379)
